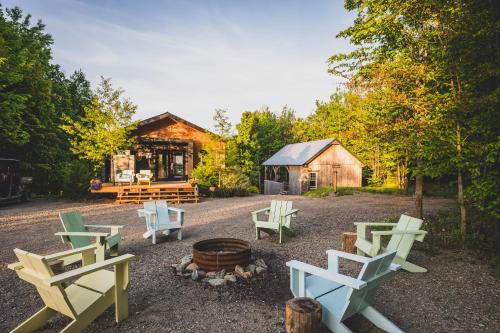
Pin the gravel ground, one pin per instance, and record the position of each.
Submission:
(456, 295)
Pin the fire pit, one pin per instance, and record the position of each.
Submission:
(221, 253)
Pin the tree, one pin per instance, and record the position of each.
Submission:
(34, 94)
(260, 135)
(105, 127)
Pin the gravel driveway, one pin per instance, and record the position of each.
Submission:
(456, 295)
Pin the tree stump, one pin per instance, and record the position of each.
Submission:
(348, 241)
(303, 315)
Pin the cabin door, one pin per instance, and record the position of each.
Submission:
(170, 165)
(177, 165)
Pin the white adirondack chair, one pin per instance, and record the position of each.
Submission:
(279, 218)
(144, 176)
(342, 296)
(126, 176)
(157, 215)
(403, 235)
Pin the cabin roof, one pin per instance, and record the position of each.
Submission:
(299, 153)
(172, 116)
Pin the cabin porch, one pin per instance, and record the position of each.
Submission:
(171, 191)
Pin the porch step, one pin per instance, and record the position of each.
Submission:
(131, 194)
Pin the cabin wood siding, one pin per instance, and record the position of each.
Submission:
(170, 129)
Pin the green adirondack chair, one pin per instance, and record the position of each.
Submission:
(81, 294)
(342, 296)
(77, 233)
(279, 218)
(403, 234)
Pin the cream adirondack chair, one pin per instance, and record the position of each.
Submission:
(157, 215)
(279, 218)
(342, 296)
(77, 233)
(403, 234)
(144, 176)
(81, 294)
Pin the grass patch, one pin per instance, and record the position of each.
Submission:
(320, 192)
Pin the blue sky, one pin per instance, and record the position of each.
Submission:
(190, 57)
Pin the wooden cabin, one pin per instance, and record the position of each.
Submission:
(167, 145)
(301, 167)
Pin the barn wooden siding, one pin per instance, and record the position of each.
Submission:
(334, 164)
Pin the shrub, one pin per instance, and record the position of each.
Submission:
(76, 176)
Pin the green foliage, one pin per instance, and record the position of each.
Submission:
(34, 97)
(105, 127)
(341, 191)
(260, 135)
(422, 94)
(76, 176)
(482, 239)
(320, 192)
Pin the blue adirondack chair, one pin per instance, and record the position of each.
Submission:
(279, 218)
(157, 215)
(343, 296)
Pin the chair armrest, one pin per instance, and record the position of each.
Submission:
(293, 212)
(146, 211)
(327, 275)
(395, 267)
(82, 234)
(399, 232)
(178, 210)
(55, 256)
(345, 255)
(375, 224)
(103, 226)
(15, 266)
(261, 210)
(79, 272)
(68, 253)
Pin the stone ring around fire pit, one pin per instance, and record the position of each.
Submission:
(221, 253)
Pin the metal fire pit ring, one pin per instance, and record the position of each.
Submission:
(221, 253)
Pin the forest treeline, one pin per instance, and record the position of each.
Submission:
(56, 125)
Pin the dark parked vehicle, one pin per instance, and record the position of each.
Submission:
(13, 187)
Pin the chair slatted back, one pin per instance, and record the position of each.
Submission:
(162, 212)
(403, 243)
(150, 206)
(73, 222)
(374, 272)
(278, 208)
(36, 269)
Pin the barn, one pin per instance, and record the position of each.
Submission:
(300, 167)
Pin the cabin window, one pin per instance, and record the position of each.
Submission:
(313, 180)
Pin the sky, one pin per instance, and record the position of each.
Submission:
(191, 57)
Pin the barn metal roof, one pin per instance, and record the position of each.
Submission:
(299, 153)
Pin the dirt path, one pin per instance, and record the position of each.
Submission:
(455, 295)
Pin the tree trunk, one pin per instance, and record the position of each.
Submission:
(303, 315)
(460, 185)
(419, 191)
(461, 202)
